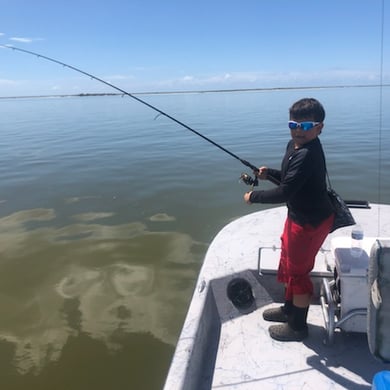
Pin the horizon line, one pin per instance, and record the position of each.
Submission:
(230, 90)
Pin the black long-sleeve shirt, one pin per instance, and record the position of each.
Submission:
(302, 184)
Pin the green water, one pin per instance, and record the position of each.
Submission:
(106, 213)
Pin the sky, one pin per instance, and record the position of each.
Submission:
(181, 45)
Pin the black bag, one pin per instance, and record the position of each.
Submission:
(343, 216)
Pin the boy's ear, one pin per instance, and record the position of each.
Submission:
(320, 127)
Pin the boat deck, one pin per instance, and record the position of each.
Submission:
(248, 358)
(221, 347)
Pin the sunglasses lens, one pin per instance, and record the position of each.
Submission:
(307, 126)
(292, 125)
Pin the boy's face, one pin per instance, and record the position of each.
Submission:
(302, 137)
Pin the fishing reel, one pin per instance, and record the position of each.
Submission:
(249, 180)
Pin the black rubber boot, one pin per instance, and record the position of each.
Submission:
(298, 318)
(295, 329)
(278, 314)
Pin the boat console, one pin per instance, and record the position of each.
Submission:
(357, 298)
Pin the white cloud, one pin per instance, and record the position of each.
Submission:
(25, 39)
(21, 39)
(5, 82)
(227, 80)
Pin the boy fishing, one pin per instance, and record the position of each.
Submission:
(309, 219)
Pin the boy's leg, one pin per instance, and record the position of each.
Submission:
(301, 247)
(280, 314)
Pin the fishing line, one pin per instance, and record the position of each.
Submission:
(244, 177)
(380, 162)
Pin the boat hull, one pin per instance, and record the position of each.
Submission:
(223, 346)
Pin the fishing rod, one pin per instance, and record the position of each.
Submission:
(247, 179)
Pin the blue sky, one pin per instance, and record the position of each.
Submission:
(172, 45)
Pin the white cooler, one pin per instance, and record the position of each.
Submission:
(353, 281)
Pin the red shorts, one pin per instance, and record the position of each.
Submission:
(300, 245)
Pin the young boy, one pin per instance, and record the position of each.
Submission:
(310, 216)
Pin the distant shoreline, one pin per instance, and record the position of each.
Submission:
(196, 91)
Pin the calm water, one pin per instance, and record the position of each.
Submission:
(106, 213)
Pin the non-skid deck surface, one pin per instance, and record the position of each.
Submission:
(249, 359)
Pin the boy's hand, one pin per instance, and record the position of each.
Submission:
(247, 196)
(262, 173)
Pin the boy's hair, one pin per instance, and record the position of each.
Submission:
(308, 108)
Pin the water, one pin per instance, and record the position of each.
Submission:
(106, 213)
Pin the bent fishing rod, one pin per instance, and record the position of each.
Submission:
(247, 179)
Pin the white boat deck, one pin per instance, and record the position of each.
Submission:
(223, 348)
(248, 358)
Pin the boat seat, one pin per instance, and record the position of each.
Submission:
(378, 321)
